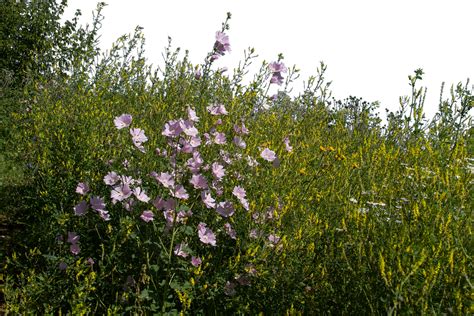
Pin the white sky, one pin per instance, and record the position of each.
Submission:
(369, 46)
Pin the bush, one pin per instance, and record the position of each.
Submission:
(182, 190)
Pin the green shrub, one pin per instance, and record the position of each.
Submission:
(340, 214)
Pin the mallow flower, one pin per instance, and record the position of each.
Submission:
(196, 261)
(218, 170)
(208, 200)
(268, 155)
(192, 115)
(179, 250)
(81, 208)
(277, 69)
(230, 231)
(138, 135)
(198, 181)
(123, 121)
(225, 209)
(180, 193)
(217, 109)
(141, 195)
(288, 147)
(82, 188)
(97, 203)
(111, 178)
(120, 192)
(206, 235)
(222, 43)
(147, 216)
(166, 179)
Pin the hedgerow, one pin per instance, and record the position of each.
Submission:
(182, 189)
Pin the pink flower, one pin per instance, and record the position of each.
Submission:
(179, 250)
(81, 208)
(159, 203)
(185, 146)
(183, 216)
(75, 249)
(206, 235)
(141, 195)
(161, 152)
(82, 188)
(97, 203)
(197, 74)
(277, 78)
(111, 178)
(198, 181)
(73, 238)
(123, 121)
(277, 68)
(195, 141)
(245, 203)
(239, 192)
(217, 109)
(127, 180)
(128, 205)
(287, 144)
(104, 215)
(215, 57)
(138, 135)
(196, 261)
(192, 115)
(208, 200)
(222, 43)
(230, 231)
(218, 170)
(147, 216)
(218, 187)
(254, 233)
(225, 156)
(120, 192)
(220, 139)
(241, 129)
(166, 179)
(195, 163)
(225, 209)
(140, 147)
(180, 193)
(188, 128)
(239, 142)
(274, 239)
(169, 216)
(268, 155)
(170, 204)
(172, 129)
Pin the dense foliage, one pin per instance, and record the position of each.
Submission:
(182, 189)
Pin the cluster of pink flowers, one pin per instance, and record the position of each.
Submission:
(138, 135)
(195, 177)
(96, 203)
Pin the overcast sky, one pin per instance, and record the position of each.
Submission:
(369, 46)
